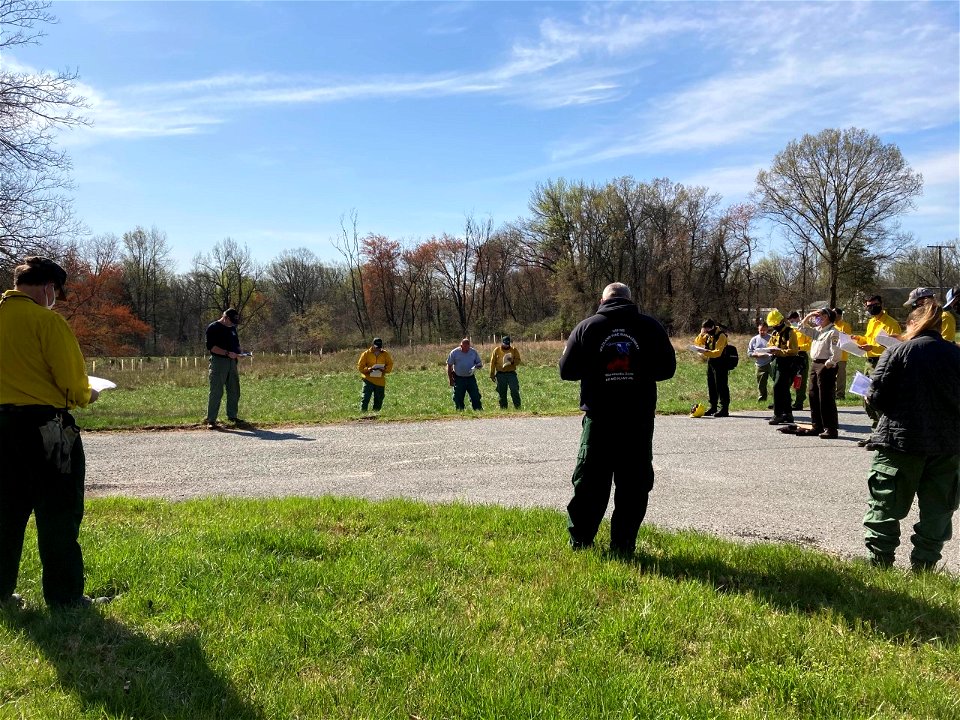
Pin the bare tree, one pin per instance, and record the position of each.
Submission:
(348, 245)
(232, 277)
(838, 189)
(35, 213)
(297, 276)
(146, 271)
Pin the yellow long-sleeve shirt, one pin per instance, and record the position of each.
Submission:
(40, 359)
(803, 342)
(713, 343)
(369, 358)
(875, 325)
(786, 340)
(499, 360)
(948, 326)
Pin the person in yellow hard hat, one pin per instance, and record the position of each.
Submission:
(783, 347)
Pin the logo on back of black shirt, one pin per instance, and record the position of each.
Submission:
(620, 356)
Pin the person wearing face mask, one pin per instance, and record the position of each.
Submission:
(879, 322)
(224, 346)
(42, 377)
(824, 357)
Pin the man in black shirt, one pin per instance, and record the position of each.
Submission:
(618, 355)
(224, 346)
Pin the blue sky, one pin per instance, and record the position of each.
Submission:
(266, 122)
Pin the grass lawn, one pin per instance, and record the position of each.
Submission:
(278, 390)
(337, 608)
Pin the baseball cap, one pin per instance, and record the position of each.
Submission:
(233, 315)
(505, 340)
(915, 295)
(378, 342)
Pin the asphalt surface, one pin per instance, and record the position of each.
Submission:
(735, 477)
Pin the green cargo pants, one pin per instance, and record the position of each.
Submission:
(223, 374)
(895, 478)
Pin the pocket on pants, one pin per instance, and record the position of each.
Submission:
(882, 483)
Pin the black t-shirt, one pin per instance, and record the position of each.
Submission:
(223, 337)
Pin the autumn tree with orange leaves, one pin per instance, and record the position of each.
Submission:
(96, 304)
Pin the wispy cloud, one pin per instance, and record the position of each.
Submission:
(765, 70)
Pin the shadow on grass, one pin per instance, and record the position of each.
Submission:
(799, 587)
(116, 672)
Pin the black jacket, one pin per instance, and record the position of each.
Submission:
(618, 355)
(916, 386)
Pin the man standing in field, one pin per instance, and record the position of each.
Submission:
(373, 366)
(462, 362)
(618, 355)
(42, 377)
(503, 371)
(224, 346)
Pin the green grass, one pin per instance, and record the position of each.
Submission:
(279, 390)
(339, 608)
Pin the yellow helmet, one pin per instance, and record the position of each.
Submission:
(774, 318)
(698, 410)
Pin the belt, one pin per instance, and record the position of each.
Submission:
(818, 361)
(506, 372)
(30, 410)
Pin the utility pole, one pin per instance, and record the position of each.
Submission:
(940, 249)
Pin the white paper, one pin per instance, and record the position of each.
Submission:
(100, 384)
(762, 351)
(848, 344)
(378, 366)
(860, 385)
(376, 373)
(696, 348)
(887, 341)
(852, 348)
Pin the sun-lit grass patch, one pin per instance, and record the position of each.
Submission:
(278, 390)
(337, 608)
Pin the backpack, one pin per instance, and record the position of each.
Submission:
(730, 356)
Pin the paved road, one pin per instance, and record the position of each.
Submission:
(735, 477)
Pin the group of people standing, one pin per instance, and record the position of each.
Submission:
(913, 401)
(618, 355)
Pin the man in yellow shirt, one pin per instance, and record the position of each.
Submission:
(503, 371)
(42, 377)
(803, 360)
(373, 365)
(844, 327)
(880, 322)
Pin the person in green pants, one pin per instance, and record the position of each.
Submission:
(916, 387)
(224, 346)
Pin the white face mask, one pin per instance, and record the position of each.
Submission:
(53, 300)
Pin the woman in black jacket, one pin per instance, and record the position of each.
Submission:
(916, 386)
